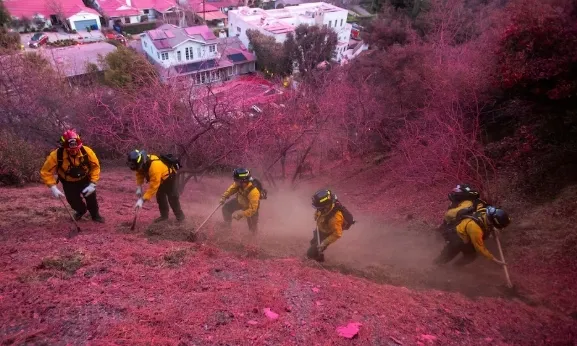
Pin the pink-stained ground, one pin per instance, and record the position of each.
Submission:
(134, 288)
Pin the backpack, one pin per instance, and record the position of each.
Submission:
(170, 161)
(348, 216)
(60, 159)
(258, 185)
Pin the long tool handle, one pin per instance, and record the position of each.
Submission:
(69, 213)
(134, 220)
(208, 218)
(318, 237)
(509, 284)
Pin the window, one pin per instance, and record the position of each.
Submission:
(330, 23)
(199, 52)
(238, 28)
(144, 43)
(341, 22)
(188, 53)
(127, 20)
(146, 11)
(212, 48)
(178, 56)
(158, 55)
(164, 56)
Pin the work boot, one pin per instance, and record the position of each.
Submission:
(180, 218)
(98, 218)
(160, 219)
(78, 216)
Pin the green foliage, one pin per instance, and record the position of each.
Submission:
(125, 68)
(537, 53)
(139, 28)
(271, 57)
(9, 40)
(4, 15)
(309, 46)
(20, 160)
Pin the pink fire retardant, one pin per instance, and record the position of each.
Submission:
(350, 330)
(270, 314)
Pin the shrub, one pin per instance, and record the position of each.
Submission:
(20, 161)
(138, 28)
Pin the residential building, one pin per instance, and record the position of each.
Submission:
(280, 22)
(45, 14)
(72, 62)
(135, 11)
(195, 54)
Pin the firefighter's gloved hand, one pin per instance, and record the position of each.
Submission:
(222, 200)
(237, 215)
(89, 189)
(321, 248)
(139, 191)
(55, 192)
(139, 203)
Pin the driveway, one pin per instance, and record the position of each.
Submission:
(81, 36)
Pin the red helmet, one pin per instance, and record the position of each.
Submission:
(71, 141)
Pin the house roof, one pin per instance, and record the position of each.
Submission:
(199, 8)
(159, 5)
(215, 15)
(117, 8)
(71, 61)
(168, 36)
(30, 8)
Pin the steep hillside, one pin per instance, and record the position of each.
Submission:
(111, 286)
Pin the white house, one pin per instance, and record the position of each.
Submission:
(195, 52)
(279, 22)
(135, 11)
(44, 13)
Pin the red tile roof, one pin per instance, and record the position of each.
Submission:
(159, 5)
(117, 8)
(30, 8)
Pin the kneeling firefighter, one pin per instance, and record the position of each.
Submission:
(331, 218)
(78, 169)
(162, 183)
(247, 202)
(470, 233)
(465, 200)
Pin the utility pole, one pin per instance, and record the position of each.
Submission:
(203, 12)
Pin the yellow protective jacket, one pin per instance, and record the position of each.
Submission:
(471, 232)
(248, 198)
(332, 226)
(157, 173)
(50, 166)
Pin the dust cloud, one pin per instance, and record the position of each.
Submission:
(371, 248)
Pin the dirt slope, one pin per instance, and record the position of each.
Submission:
(107, 286)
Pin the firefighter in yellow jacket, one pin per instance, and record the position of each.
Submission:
(464, 201)
(162, 183)
(469, 236)
(330, 223)
(247, 202)
(78, 169)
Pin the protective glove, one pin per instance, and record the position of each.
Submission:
(139, 191)
(321, 248)
(139, 203)
(237, 215)
(222, 200)
(55, 192)
(89, 189)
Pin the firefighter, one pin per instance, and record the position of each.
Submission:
(464, 201)
(162, 183)
(247, 202)
(469, 236)
(78, 169)
(330, 223)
